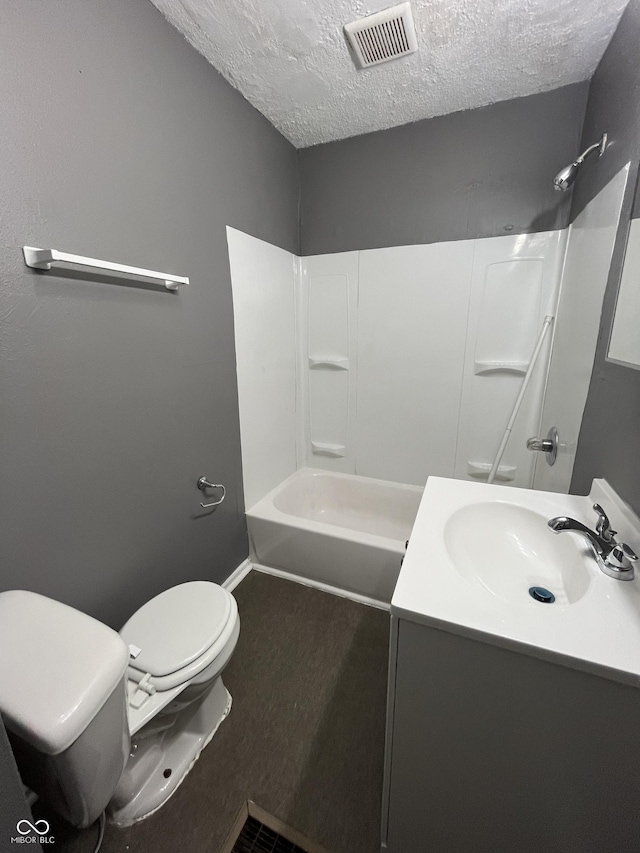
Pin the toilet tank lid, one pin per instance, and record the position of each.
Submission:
(58, 666)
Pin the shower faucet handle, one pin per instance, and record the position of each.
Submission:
(541, 444)
(603, 525)
(548, 445)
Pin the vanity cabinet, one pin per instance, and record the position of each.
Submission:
(490, 750)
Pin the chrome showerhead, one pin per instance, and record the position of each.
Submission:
(565, 177)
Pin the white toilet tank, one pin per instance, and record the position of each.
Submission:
(63, 701)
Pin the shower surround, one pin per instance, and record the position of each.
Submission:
(385, 366)
(392, 363)
(382, 367)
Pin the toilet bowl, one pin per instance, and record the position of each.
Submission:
(100, 720)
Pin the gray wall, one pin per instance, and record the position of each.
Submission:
(119, 141)
(609, 444)
(478, 173)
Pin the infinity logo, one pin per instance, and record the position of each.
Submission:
(41, 827)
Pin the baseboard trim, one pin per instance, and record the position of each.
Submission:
(237, 575)
(325, 587)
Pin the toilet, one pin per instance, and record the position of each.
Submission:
(105, 720)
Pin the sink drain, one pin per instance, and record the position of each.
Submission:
(542, 594)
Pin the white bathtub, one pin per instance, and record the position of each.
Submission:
(337, 530)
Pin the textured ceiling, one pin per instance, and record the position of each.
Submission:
(290, 60)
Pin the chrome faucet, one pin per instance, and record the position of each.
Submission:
(614, 558)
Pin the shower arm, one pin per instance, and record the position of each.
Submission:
(599, 146)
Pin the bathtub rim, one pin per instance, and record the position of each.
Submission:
(266, 510)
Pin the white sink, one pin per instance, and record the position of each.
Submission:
(508, 549)
(475, 552)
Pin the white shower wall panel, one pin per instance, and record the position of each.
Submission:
(514, 285)
(586, 270)
(263, 283)
(440, 337)
(327, 307)
(412, 325)
(392, 363)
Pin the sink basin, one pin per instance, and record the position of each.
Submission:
(475, 551)
(508, 549)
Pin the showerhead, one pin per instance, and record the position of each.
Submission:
(565, 177)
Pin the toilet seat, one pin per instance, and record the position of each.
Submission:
(179, 633)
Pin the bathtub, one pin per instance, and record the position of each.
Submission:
(335, 530)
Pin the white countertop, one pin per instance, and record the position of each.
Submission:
(598, 633)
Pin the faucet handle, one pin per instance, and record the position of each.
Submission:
(603, 525)
(621, 559)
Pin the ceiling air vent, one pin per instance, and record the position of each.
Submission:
(382, 37)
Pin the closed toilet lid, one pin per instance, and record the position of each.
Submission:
(178, 626)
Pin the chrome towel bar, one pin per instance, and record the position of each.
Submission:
(42, 259)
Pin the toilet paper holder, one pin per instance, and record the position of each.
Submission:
(203, 484)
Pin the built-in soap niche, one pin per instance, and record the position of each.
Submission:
(329, 412)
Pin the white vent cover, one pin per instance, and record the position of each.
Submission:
(382, 37)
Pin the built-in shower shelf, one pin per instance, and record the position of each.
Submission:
(321, 448)
(480, 367)
(327, 362)
(481, 471)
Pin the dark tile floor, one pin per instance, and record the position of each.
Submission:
(305, 737)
